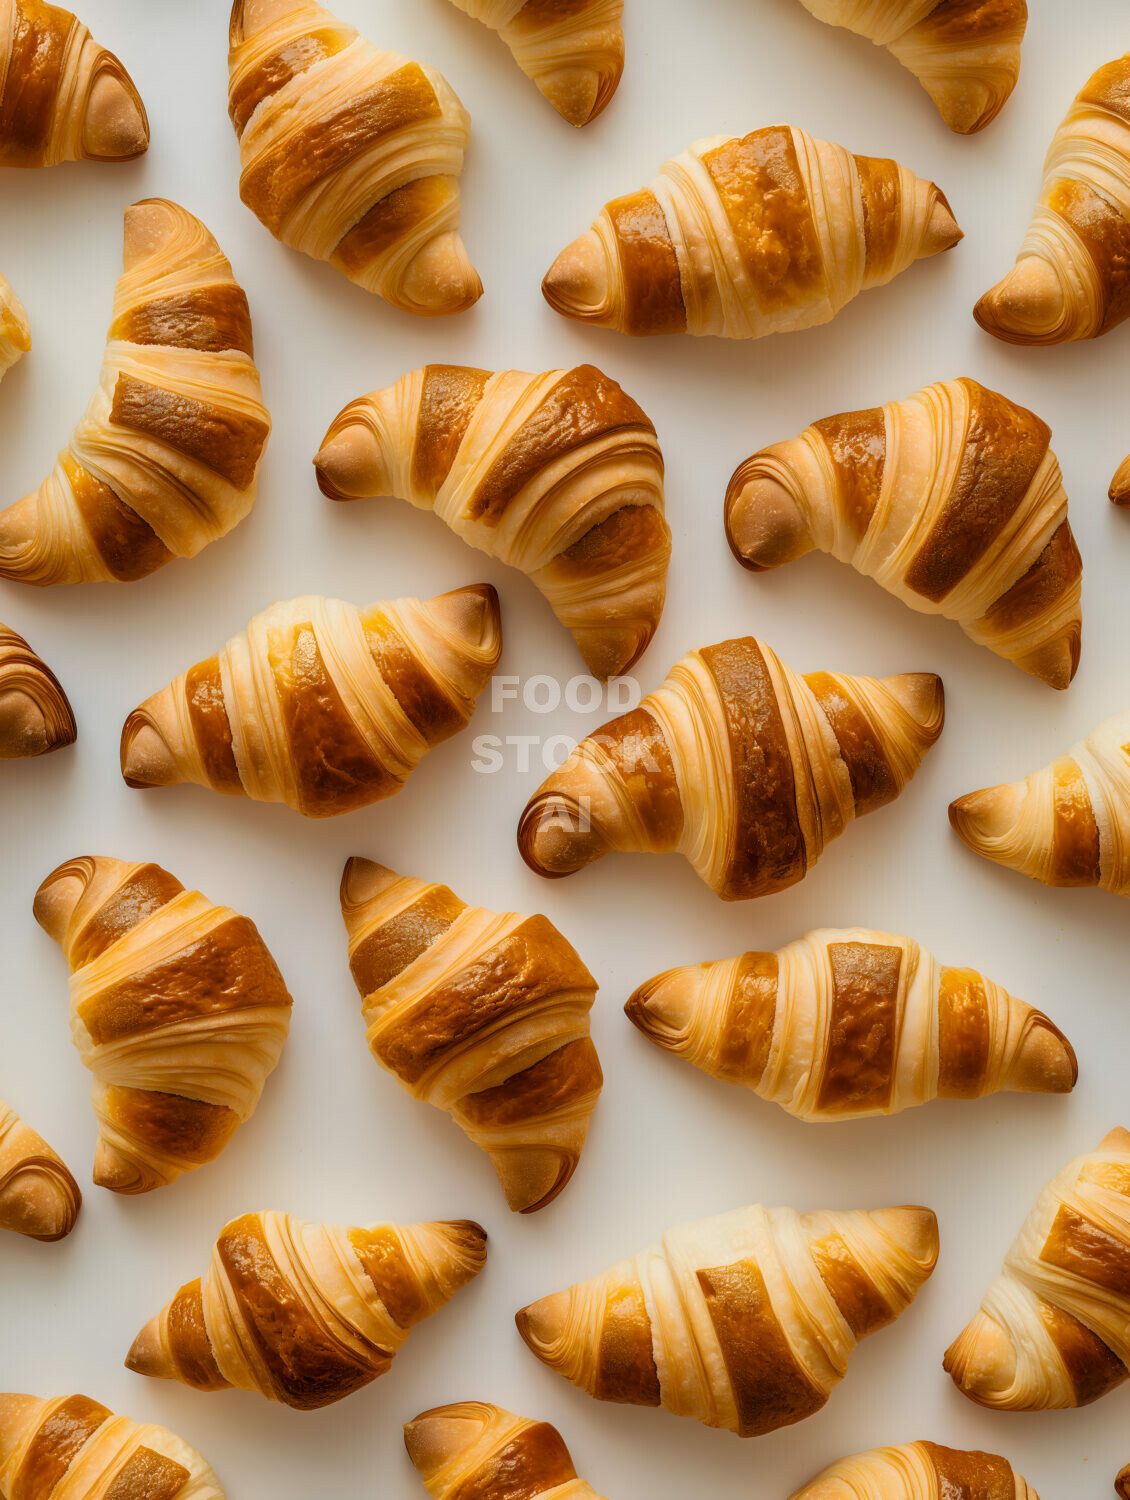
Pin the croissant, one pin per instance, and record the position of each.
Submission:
(1120, 484)
(739, 764)
(1068, 824)
(38, 1196)
(482, 1014)
(919, 1471)
(177, 1009)
(964, 53)
(573, 52)
(849, 1023)
(476, 1451)
(952, 500)
(1054, 1330)
(319, 704)
(15, 335)
(740, 238)
(306, 1314)
(165, 459)
(1069, 281)
(72, 1448)
(1122, 1484)
(351, 154)
(745, 1321)
(559, 475)
(62, 96)
(35, 716)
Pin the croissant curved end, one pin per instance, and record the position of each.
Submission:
(59, 895)
(147, 759)
(555, 837)
(1046, 1062)
(23, 556)
(577, 285)
(29, 728)
(147, 1354)
(362, 879)
(1029, 306)
(765, 526)
(942, 231)
(982, 1363)
(915, 1229)
(1057, 660)
(350, 464)
(439, 281)
(578, 94)
(533, 1176)
(1117, 1140)
(984, 820)
(923, 696)
(436, 1437)
(1122, 1484)
(116, 127)
(122, 1174)
(1120, 484)
(472, 615)
(542, 1325)
(664, 1007)
(40, 1206)
(16, 1412)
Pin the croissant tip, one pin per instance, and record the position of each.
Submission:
(540, 1323)
(923, 696)
(979, 818)
(577, 283)
(435, 1438)
(580, 95)
(440, 281)
(472, 614)
(120, 1174)
(30, 727)
(533, 1176)
(556, 838)
(942, 229)
(982, 1363)
(362, 879)
(663, 1008)
(350, 465)
(1117, 1139)
(1119, 491)
(146, 759)
(42, 1206)
(147, 1354)
(1122, 1484)
(1029, 306)
(916, 1229)
(1046, 1062)
(765, 526)
(116, 127)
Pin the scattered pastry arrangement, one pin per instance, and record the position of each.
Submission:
(953, 500)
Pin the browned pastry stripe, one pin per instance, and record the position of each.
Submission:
(653, 290)
(392, 220)
(958, 22)
(864, 1030)
(211, 728)
(629, 535)
(747, 1035)
(61, 1436)
(570, 1073)
(127, 544)
(1086, 1250)
(864, 1308)
(400, 941)
(210, 319)
(857, 446)
(146, 891)
(1004, 446)
(1076, 855)
(428, 708)
(38, 45)
(295, 56)
(147, 1475)
(226, 442)
(961, 1476)
(382, 1255)
(880, 189)
(280, 179)
(1044, 584)
(644, 764)
(188, 1343)
(550, 12)
(1109, 88)
(1105, 233)
(625, 1366)
(1092, 1367)
(770, 1387)
(533, 1462)
(448, 401)
(873, 782)
(963, 1034)
(186, 1129)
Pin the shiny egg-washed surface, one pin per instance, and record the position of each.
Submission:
(919, 1471)
(476, 1451)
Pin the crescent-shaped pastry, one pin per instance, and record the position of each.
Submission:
(952, 500)
(559, 475)
(745, 768)
(964, 53)
(351, 154)
(736, 237)
(1068, 824)
(1054, 1330)
(165, 459)
(62, 96)
(919, 1471)
(852, 1022)
(306, 1314)
(177, 1010)
(572, 49)
(35, 716)
(1070, 279)
(15, 335)
(38, 1196)
(475, 1451)
(319, 704)
(482, 1013)
(73, 1448)
(745, 1321)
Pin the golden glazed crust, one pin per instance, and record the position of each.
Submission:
(918, 1471)
(35, 716)
(38, 1196)
(475, 1451)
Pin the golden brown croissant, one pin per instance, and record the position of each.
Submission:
(485, 1015)
(745, 1321)
(62, 96)
(319, 704)
(964, 53)
(1120, 484)
(1122, 1484)
(35, 716)
(165, 458)
(73, 1448)
(919, 1471)
(559, 475)
(475, 1451)
(740, 238)
(737, 763)
(177, 1009)
(1068, 824)
(852, 1022)
(952, 500)
(15, 335)
(1054, 1330)
(38, 1196)
(306, 1313)
(351, 154)
(574, 51)
(1070, 281)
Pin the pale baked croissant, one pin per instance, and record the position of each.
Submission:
(1069, 281)
(737, 763)
(73, 1448)
(573, 52)
(177, 1010)
(62, 96)
(351, 154)
(919, 1471)
(165, 458)
(964, 53)
(1068, 824)
(15, 335)
(559, 475)
(745, 1321)
(744, 237)
(319, 704)
(847, 1023)
(1054, 1330)
(35, 716)
(303, 1313)
(475, 1451)
(952, 500)
(485, 1015)
(38, 1196)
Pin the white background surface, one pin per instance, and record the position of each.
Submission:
(336, 1138)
